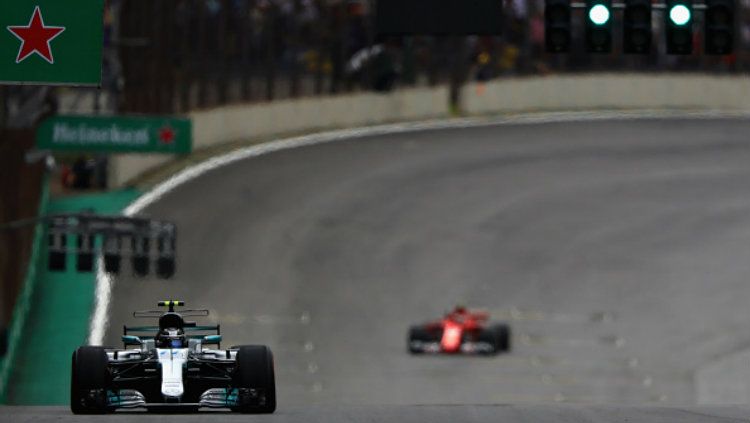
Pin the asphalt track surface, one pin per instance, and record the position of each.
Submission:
(409, 414)
(617, 250)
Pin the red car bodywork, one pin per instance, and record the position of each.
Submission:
(455, 325)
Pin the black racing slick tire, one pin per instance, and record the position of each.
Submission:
(415, 334)
(255, 371)
(498, 337)
(503, 336)
(88, 381)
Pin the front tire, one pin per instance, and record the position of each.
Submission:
(88, 381)
(423, 335)
(255, 370)
(417, 334)
(498, 337)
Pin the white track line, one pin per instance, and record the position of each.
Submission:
(100, 317)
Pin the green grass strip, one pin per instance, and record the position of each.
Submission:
(60, 309)
(23, 303)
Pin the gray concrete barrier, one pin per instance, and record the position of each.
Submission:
(504, 96)
(238, 122)
(607, 91)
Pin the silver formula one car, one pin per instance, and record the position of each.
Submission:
(170, 366)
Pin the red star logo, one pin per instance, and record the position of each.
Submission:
(166, 135)
(35, 38)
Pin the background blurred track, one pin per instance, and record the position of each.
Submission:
(618, 250)
(410, 414)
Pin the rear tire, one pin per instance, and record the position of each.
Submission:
(498, 336)
(255, 370)
(89, 372)
(503, 336)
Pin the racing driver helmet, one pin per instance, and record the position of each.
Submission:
(171, 338)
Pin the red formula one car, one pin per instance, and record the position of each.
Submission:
(460, 331)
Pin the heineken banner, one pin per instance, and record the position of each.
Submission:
(51, 42)
(115, 134)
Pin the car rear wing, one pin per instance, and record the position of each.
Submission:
(189, 327)
(155, 314)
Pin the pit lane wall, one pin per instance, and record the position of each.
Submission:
(503, 96)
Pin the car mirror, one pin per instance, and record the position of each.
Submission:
(212, 339)
(131, 340)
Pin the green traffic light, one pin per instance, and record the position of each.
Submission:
(680, 15)
(599, 14)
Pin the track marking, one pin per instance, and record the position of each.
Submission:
(529, 339)
(303, 369)
(519, 315)
(100, 319)
(102, 295)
